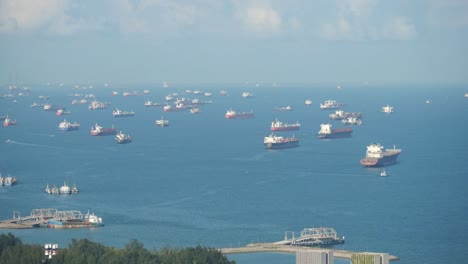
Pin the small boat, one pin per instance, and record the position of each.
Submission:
(247, 94)
(65, 189)
(122, 138)
(162, 122)
(195, 110)
(383, 173)
(223, 93)
(387, 109)
(9, 122)
(308, 102)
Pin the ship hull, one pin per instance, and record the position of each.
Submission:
(342, 133)
(242, 116)
(386, 160)
(106, 132)
(282, 145)
(63, 225)
(288, 128)
(124, 141)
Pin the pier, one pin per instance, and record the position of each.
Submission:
(279, 248)
(39, 218)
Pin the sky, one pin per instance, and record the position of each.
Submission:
(233, 41)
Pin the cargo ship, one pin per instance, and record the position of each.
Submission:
(97, 130)
(326, 131)
(67, 126)
(8, 181)
(94, 105)
(376, 157)
(231, 114)
(122, 138)
(280, 126)
(62, 111)
(275, 142)
(330, 104)
(119, 113)
(340, 114)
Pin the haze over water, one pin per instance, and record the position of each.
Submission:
(208, 180)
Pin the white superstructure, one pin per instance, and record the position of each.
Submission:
(387, 109)
(325, 129)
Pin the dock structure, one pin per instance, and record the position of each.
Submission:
(39, 218)
(281, 248)
(317, 236)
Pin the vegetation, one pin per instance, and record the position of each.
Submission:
(83, 251)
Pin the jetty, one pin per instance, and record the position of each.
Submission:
(279, 248)
(39, 218)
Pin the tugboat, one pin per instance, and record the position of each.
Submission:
(97, 130)
(376, 157)
(122, 138)
(275, 142)
(326, 131)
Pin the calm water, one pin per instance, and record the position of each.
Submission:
(207, 180)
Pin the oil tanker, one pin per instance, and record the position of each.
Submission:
(376, 157)
(326, 131)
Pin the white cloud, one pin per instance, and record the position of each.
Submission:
(399, 28)
(26, 15)
(356, 20)
(261, 19)
(49, 16)
(359, 7)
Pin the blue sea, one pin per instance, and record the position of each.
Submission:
(209, 181)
